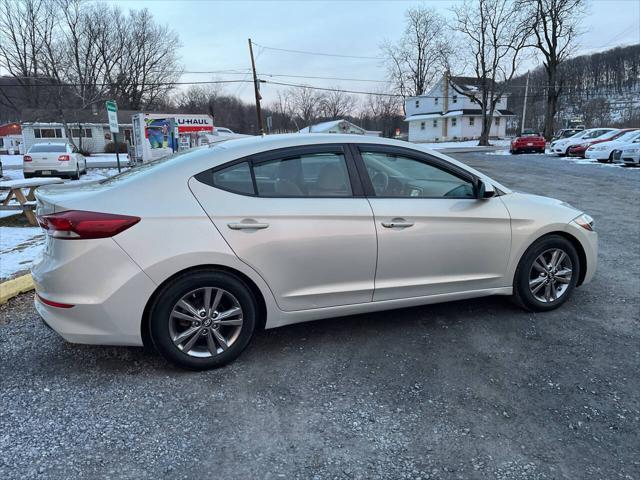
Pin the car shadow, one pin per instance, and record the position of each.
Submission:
(279, 344)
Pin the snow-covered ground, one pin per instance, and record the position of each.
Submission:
(18, 247)
(464, 144)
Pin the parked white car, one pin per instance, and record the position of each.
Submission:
(53, 160)
(269, 231)
(629, 154)
(561, 147)
(603, 152)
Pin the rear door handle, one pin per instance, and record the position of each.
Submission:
(247, 226)
(397, 223)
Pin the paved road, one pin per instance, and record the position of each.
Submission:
(474, 389)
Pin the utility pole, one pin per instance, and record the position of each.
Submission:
(524, 107)
(256, 88)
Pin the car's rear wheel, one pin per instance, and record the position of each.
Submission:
(203, 320)
(547, 274)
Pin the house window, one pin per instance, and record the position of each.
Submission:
(472, 120)
(417, 103)
(435, 100)
(497, 121)
(435, 123)
(422, 126)
(86, 133)
(454, 99)
(48, 132)
(454, 122)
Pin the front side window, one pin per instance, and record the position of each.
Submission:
(398, 176)
(313, 175)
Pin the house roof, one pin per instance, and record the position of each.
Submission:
(33, 115)
(326, 126)
(475, 112)
(10, 129)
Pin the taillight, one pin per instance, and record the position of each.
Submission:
(27, 158)
(64, 158)
(79, 225)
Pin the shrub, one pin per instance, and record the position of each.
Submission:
(111, 147)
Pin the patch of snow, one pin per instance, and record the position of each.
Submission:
(19, 246)
(11, 160)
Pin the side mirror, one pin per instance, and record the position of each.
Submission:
(484, 190)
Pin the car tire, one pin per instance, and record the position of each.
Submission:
(540, 291)
(166, 330)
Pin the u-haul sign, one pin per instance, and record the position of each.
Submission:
(194, 123)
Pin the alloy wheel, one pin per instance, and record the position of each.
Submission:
(550, 275)
(205, 322)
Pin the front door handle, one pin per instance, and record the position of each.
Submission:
(247, 226)
(397, 223)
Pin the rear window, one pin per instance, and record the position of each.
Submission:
(43, 148)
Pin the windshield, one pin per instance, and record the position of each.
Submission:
(629, 136)
(51, 147)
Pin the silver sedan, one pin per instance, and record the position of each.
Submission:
(194, 253)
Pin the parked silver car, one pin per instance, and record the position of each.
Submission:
(265, 232)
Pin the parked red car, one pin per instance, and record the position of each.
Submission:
(579, 150)
(528, 142)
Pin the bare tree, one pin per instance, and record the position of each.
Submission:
(496, 33)
(555, 26)
(416, 60)
(306, 103)
(284, 111)
(336, 104)
(24, 27)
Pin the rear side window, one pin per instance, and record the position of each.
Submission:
(313, 175)
(236, 178)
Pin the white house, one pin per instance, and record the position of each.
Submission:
(339, 126)
(89, 129)
(447, 113)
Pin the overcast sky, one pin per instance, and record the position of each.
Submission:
(214, 36)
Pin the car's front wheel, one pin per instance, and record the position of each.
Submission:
(203, 319)
(547, 274)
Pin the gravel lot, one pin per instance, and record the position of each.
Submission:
(474, 389)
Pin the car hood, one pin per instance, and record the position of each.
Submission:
(526, 205)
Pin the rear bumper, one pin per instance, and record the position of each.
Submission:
(50, 172)
(107, 289)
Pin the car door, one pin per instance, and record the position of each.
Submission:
(434, 236)
(299, 218)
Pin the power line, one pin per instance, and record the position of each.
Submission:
(323, 54)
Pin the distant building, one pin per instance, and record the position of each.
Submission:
(89, 129)
(10, 138)
(338, 126)
(447, 113)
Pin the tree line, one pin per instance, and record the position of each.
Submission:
(66, 55)
(596, 90)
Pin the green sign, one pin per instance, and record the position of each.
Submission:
(112, 111)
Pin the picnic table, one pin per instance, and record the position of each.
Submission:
(26, 203)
